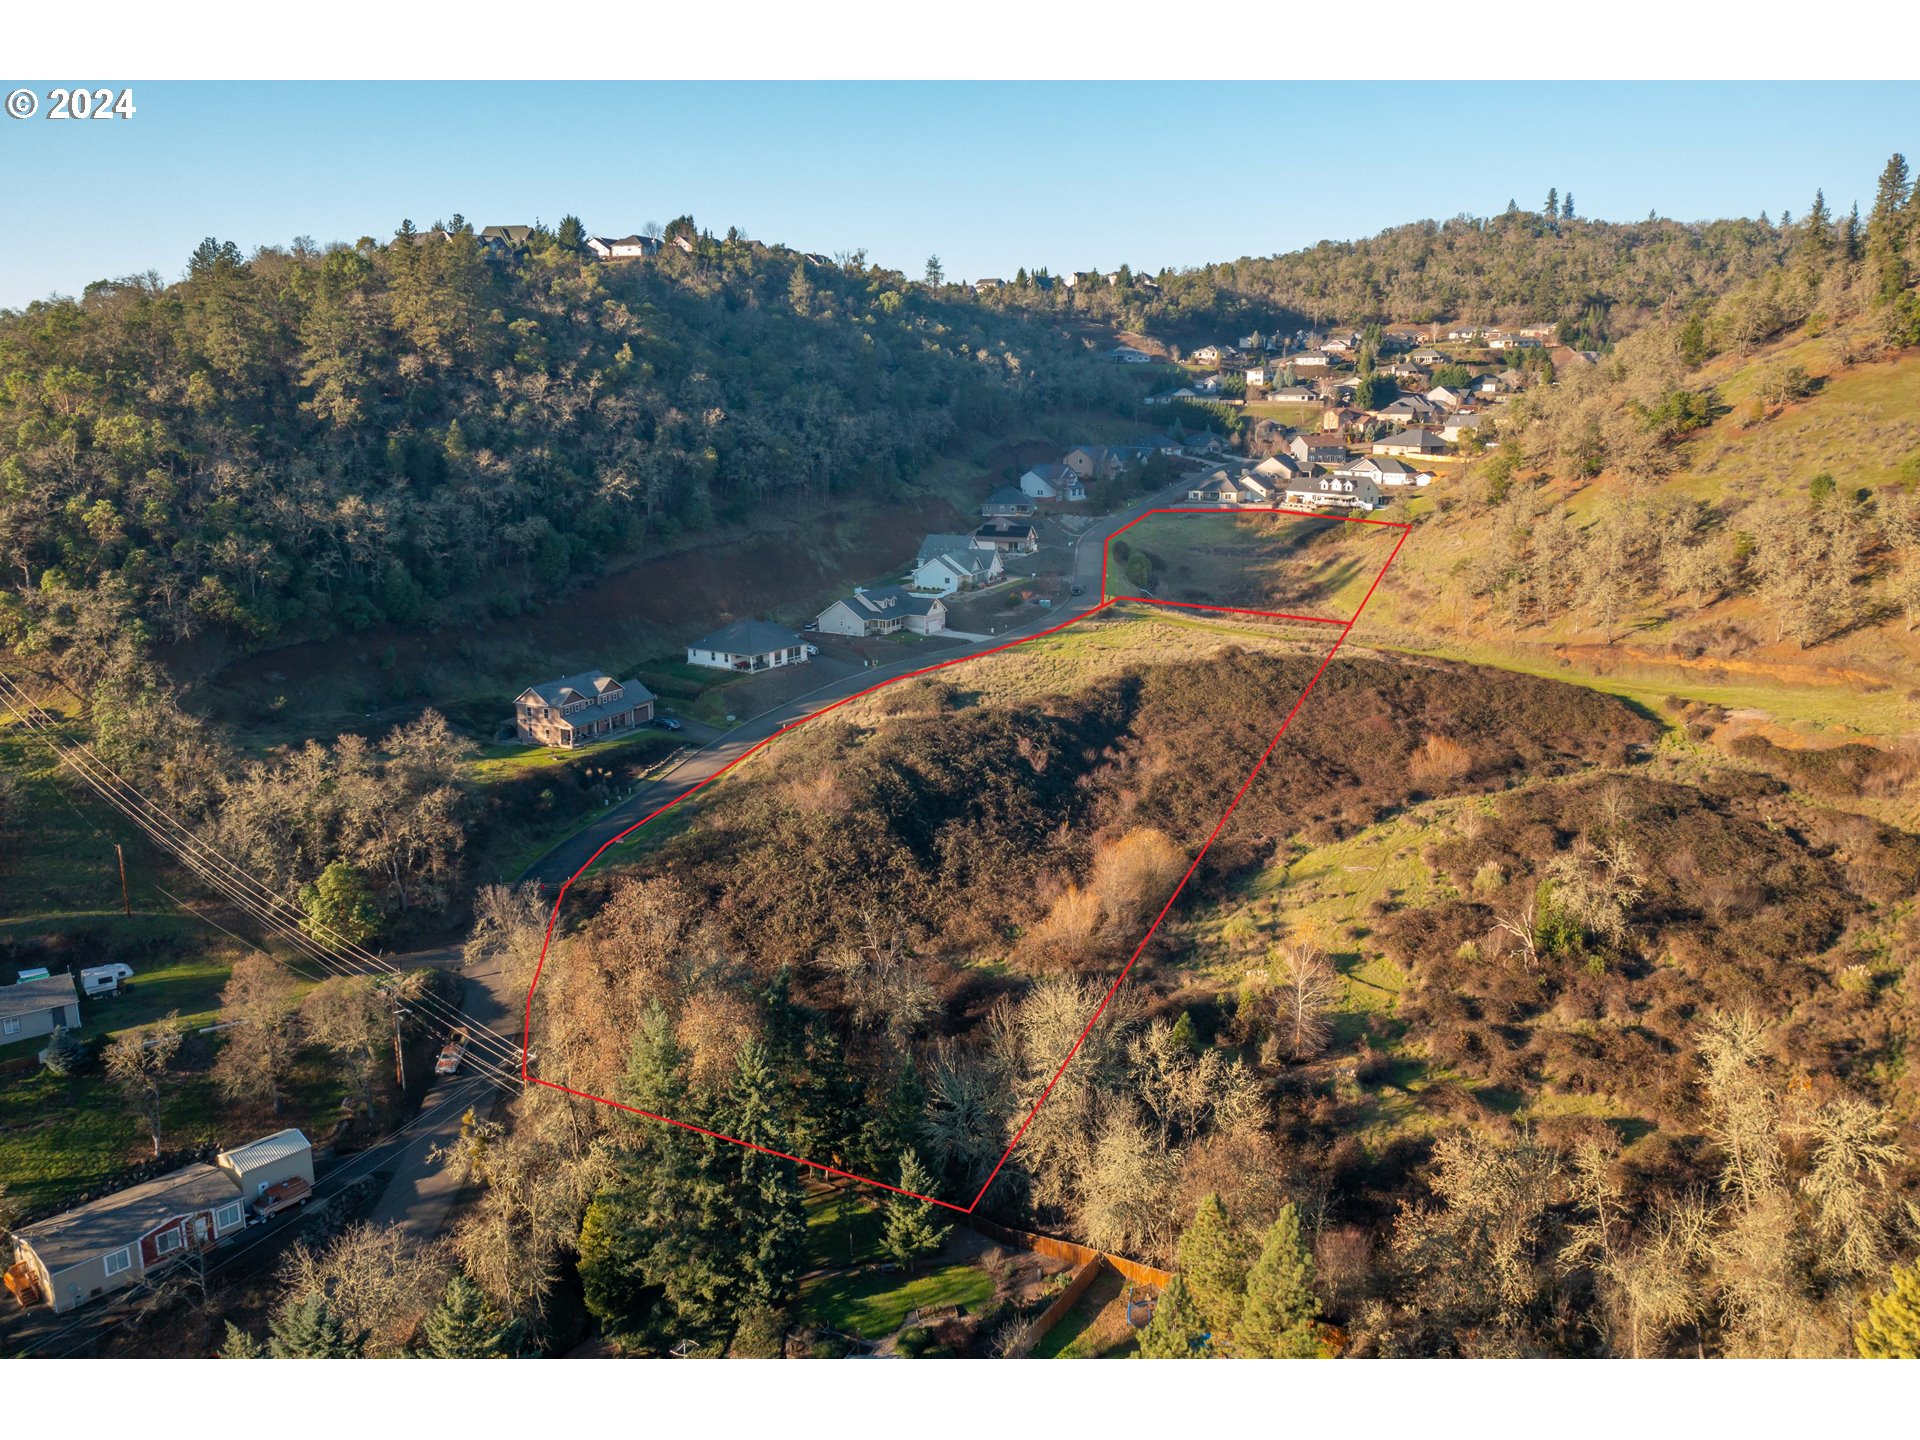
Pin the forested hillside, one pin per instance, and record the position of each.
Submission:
(317, 438)
(1599, 280)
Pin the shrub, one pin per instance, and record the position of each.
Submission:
(66, 1053)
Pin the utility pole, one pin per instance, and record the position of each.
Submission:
(126, 903)
(399, 1051)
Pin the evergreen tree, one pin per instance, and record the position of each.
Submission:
(340, 906)
(1891, 1329)
(1566, 207)
(1213, 1258)
(911, 1232)
(465, 1325)
(311, 1331)
(1183, 1032)
(1887, 225)
(1175, 1331)
(1816, 233)
(762, 1335)
(1553, 203)
(936, 273)
(66, 1053)
(1278, 1318)
(240, 1345)
(572, 235)
(770, 1229)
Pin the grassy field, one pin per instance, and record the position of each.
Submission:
(1263, 562)
(875, 1303)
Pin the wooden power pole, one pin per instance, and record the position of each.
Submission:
(126, 902)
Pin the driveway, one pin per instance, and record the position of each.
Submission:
(565, 859)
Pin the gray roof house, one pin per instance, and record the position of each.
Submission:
(962, 568)
(748, 646)
(1411, 442)
(940, 545)
(580, 708)
(882, 611)
(1052, 480)
(1007, 500)
(32, 1008)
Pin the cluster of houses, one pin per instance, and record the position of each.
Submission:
(133, 1234)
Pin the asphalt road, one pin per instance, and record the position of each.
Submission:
(565, 859)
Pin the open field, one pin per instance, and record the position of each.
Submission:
(1319, 567)
(875, 1303)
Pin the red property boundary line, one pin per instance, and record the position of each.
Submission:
(1346, 629)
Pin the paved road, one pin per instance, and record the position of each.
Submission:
(563, 860)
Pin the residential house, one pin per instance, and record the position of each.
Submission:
(883, 611)
(1336, 418)
(1386, 472)
(1318, 449)
(1092, 462)
(1337, 492)
(964, 567)
(1294, 395)
(1222, 487)
(1566, 359)
(1007, 536)
(1409, 410)
(991, 283)
(748, 646)
(1428, 358)
(1053, 481)
(1211, 354)
(1496, 387)
(131, 1235)
(1203, 442)
(1450, 397)
(1515, 341)
(1257, 376)
(1459, 425)
(1277, 470)
(1310, 360)
(507, 238)
(1339, 346)
(1127, 355)
(1404, 370)
(32, 1008)
(1007, 501)
(1158, 443)
(1211, 387)
(580, 708)
(1465, 332)
(1411, 442)
(1168, 397)
(630, 247)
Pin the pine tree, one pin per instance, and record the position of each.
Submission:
(1553, 203)
(1816, 233)
(770, 1232)
(465, 1325)
(1175, 1330)
(1278, 1318)
(311, 1331)
(240, 1345)
(1566, 207)
(1891, 1330)
(1213, 1258)
(66, 1053)
(911, 1232)
(1887, 225)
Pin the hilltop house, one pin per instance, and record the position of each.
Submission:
(32, 1008)
(1222, 488)
(883, 611)
(1052, 481)
(580, 708)
(748, 645)
(1008, 500)
(1409, 410)
(631, 247)
(123, 1238)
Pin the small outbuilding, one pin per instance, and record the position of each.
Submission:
(32, 1008)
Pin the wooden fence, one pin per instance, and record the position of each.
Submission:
(1067, 1250)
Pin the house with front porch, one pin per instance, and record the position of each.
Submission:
(884, 610)
(748, 646)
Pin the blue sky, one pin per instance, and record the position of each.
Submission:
(989, 176)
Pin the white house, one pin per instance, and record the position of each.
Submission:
(883, 611)
(748, 646)
(1337, 492)
(962, 568)
(1053, 481)
(1386, 472)
(631, 247)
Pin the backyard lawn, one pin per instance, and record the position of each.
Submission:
(875, 1303)
(843, 1227)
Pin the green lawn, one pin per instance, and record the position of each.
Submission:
(843, 1227)
(875, 1303)
(1095, 1328)
(58, 1137)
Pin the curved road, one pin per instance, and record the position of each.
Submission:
(564, 860)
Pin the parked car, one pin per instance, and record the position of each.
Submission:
(451, 1054)
(1078, 588)
(812, 650)
(810, 627)
(666, 722)
(287, 1195)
